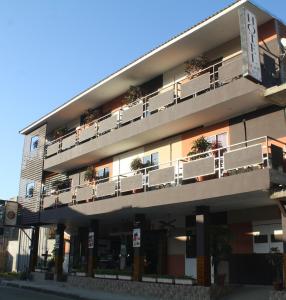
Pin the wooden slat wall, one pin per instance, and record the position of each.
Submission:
(32, 170)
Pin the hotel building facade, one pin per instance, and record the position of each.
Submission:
(137, 172)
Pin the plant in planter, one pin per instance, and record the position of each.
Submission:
(275, 259)
(59, 132)
(90, 174)
(200, 145)
(195, 65)
(134, 93)
(220, 249)
(90, 115)
(61, 184)
(136, 164)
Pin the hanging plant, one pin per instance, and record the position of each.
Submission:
(134, 93)
(89, 174)
(195, 65)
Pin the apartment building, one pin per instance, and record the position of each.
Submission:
(143, 169)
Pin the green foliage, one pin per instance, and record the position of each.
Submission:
(195, 65)
(89, 174)
(220, 248)
(134, 93)
(275, 259)
(200, 145)
(10, 275)
(61, 184)
(136, 164)
(59, 132)
(90, 115)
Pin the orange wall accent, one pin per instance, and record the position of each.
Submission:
(103, 164)
(242, 242)
(267, 31)
(114, 104)
(176, 265)
(190, 136)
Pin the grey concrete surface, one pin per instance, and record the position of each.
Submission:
(249, 293)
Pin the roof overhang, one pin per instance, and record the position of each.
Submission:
(208, 34)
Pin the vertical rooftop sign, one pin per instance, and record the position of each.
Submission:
(249, 45)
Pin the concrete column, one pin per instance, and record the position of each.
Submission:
(92, 247)
(283, 219)
(138, 254)
(34, 249)
(59, 247)
(203, 251)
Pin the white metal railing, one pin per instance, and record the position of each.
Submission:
(214, 83)
(261, 159)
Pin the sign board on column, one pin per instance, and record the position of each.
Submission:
(57, 241)
(90, 240)
(249, 45)
(11, 213)
(136, 237)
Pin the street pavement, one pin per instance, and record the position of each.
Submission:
(8, 293)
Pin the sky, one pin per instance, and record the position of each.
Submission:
(51, 50)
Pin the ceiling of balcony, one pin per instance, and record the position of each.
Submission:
(201, 38)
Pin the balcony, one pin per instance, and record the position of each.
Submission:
(216, 93)
(223, 176)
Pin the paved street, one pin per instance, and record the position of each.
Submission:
(22, 294)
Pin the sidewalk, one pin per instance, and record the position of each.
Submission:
(62, 289)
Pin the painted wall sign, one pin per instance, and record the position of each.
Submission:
(11, 213)
(136, 237)
(249, 45)
(90, 240)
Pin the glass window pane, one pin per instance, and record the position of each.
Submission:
(221, 138)
(34, 143)
(155, 159)
(260, 239)
(30, 189)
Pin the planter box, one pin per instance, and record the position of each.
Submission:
(165, 280)
(184, 281)
(149, 279)
(49, 276)
(80, 274)
(125, 277)
(110, 276)
(38, 270)
(101, 276)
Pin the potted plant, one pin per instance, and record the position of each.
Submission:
(90, 115)
(89, 174)
(275, 259)
(220, 249)
(195, 65)
(124, 275)
(136, 164)
(59, 132)
(200, 146)
(133, 94)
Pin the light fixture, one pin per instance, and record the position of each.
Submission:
(181, 238)
(278, 232)
(283, 44)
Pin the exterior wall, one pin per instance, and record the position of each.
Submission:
(259, 123)
(32, 171)
(241, 242)
(189, 137)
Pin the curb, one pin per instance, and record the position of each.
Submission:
(48, 291)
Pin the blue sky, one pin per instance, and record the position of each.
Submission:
(52, 50)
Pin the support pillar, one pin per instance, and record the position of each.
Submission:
(203, 251)
(92, 247)
(283, 219)
(34, 249)
(138, 253)
(59, 255)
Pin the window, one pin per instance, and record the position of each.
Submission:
(260, 239)
(30, 189)
(218, 138)
(34, 143)
(151, 160)
(103, 173)
(276, 238)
